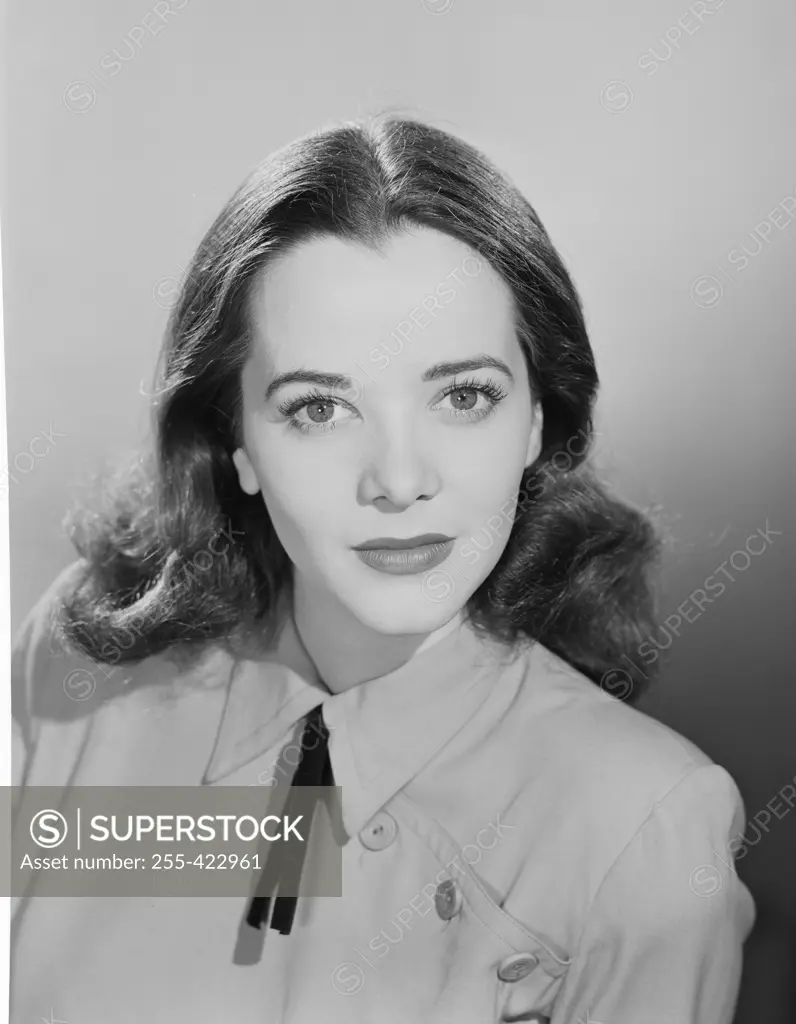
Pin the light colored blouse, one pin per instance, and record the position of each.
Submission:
(520, 845)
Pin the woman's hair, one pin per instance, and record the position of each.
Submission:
(177, 555)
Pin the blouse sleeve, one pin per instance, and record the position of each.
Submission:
(663, 939)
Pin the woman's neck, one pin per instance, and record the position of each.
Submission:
(345, 652)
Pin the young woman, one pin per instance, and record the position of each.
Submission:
(369, 516)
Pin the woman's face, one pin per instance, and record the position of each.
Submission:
(402, 445)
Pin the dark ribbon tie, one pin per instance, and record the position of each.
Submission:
(314, 769)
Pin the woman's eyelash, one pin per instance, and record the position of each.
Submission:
(294, 404)
(489, 387)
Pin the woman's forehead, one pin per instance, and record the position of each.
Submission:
(424, 291)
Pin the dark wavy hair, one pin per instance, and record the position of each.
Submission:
(176, 555)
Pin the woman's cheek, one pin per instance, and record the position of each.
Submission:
(489, 525)
(306, 508)
(486, 486)
(285, 475)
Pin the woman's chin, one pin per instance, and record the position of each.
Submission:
(401, 611)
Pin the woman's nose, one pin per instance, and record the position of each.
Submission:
(399, 470)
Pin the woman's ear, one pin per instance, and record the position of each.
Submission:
(246, 475)
(535, 435)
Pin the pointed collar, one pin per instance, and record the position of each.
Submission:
(382, 733)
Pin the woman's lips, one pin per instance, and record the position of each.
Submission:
(402, 561)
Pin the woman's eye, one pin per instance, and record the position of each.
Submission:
(474, 401)
(313, 415)
(464, 399)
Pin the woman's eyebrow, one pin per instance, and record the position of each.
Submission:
(326, 380)
(441, 370)
(340, 381)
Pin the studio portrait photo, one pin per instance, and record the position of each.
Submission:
(398, 507)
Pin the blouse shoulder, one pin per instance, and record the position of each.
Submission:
(596, 728)
(55, 687)
(612, 764)
(663, 937)
(42, 673)
(36, 652)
